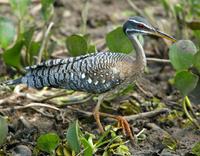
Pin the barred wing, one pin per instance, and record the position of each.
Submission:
(94, 73)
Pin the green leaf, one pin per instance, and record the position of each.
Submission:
(47, 9)
(48, 142)
(185, 81)
(20, 7)
(181, 54)
(73, 136)
(88, 148)
(7, 32)
(196, 149)
(12, 55)
(3, 130)
(197, 60)
(76, 45)
(117, 41)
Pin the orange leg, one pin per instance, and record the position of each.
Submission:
(96, 113)
(121, 121)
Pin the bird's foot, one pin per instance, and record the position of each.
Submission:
(123, 123)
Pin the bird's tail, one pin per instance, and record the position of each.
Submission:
(13, 82)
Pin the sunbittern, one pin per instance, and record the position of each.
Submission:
(98, 73)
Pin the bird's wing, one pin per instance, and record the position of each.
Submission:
(94, 73)
(55, 62)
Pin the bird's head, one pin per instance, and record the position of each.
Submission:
(138, 25)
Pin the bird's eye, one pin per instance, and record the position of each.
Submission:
(140, 26)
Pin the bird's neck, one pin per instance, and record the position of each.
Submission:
(140, 54)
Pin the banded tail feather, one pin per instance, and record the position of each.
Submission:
(13, 82)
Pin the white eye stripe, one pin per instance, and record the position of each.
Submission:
(140, 23)
(136, 30)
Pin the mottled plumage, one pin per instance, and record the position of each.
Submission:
(94, 73)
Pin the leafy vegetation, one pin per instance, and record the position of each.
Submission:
(24, 42)
(182, 56)
(7, 32)
(48, 142)
(112, 142)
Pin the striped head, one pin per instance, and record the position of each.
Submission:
(139, 25)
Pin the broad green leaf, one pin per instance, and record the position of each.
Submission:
(73, 136)
(12, 55)
(185, 81)
(197, 60)
(3, 130)
(88, 148)
(48, 142)
(47, 9)
(76, 45)
(196, 149)
(181, 54)
(117, 41)
(20, 7)
(7, 32)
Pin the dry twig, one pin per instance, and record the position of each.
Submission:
(146, 114)
(30, 105)
(158, 60)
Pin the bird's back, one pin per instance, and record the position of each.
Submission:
(94, 73)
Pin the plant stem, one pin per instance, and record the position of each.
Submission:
(84, 15)
(186, 103)
(44, 42)
(135, 8)
(158, 60)
(189, 105)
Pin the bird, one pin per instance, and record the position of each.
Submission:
(100, 73)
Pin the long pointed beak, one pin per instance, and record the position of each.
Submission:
(164, 35)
